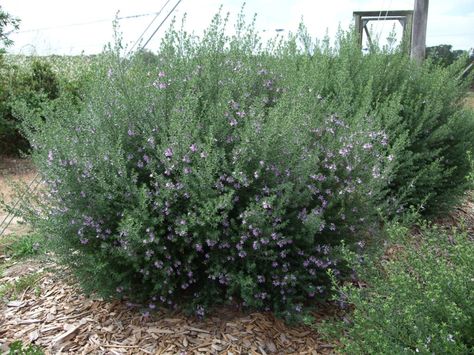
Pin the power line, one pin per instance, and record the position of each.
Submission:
(161, 24)
(384, 20)
(149, 25)
(85, 23)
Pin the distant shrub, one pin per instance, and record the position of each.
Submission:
(33, 84)
(34, 87)
(419, 299)
(230, 172)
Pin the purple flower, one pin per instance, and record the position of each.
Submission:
(266, 205)
(367, 146)
(344, 152)
(131, 133)
(162, 85)
(376, 172)
(233, 122)
(193, 147)
(140, 164)
(146, 158)
(187, 170)
(255, 232)
(234, 105)
(168, 152)
(200, 312)
(50, 157)
(161, 74)
(240, 113)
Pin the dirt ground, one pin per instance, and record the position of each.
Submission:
(470, 100)
(13, 170)
(50, 311)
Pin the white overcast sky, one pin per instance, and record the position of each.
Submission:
(57, 26)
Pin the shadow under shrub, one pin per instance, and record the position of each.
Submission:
(228, 173)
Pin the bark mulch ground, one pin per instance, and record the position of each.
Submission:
(58, 317)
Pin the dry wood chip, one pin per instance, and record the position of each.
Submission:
(99, 327)
(71, 329)
(197, 330)
(15, 303)
(160, 331)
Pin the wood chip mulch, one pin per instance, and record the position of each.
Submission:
(57, 317)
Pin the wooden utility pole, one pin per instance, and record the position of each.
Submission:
(420, 19)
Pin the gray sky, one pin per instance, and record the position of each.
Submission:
(57, 26)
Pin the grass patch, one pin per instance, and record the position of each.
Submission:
(12, 290)
(18, 348)
(24, 246)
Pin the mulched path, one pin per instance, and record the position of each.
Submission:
(59, 318)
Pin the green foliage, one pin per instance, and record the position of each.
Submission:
(17, 348)
(34, 85)
(14, 289)
(420, 107)
(23, 246)
(444, 54)
(230, 171)
(7, 22)
(419, 296)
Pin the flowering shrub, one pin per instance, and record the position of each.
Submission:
(228, 173)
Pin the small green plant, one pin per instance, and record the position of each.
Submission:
(11, 290)
(18, 348)
(23, 246)
(419, 296)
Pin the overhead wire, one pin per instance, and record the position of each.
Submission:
(84, 23)
(147, 28)
(384, 20)
(161, 24)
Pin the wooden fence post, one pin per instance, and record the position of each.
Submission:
(420, 19)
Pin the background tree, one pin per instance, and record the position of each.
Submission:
(8, 23)
(444, 54)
